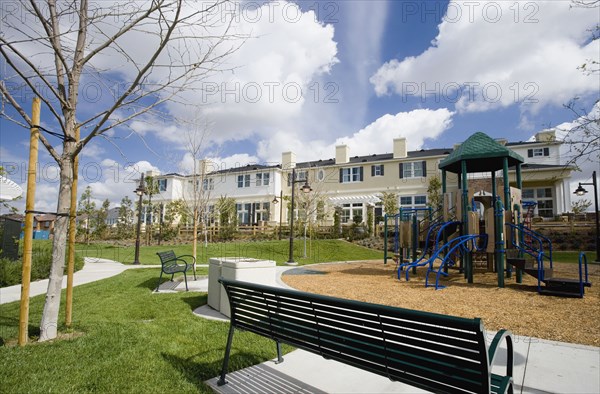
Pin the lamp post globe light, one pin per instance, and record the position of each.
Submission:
(305, 189)
(140, 192)
(580, 191)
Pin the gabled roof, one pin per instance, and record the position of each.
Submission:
(482, 153)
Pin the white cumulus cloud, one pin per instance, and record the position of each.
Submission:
(489, 55)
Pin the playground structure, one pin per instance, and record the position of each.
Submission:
(482, 230)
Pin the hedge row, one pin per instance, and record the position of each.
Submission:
(11, 270)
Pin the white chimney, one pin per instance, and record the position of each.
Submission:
(400, 150)
(547, 135)
(288, 160)
(342, 154)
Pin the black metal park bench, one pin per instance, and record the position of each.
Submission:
(430, 351)
(171, 264)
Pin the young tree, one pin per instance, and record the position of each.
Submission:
(100, 226)
(580, 206)
(434, 192)
(151, 190)
(183, 43)
(390, 202)
(125, 220)
(226, 209)
(198, 189)
(311, 206)
(85, 210)
(175, 212)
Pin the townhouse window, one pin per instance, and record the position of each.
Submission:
(162, 185)
(350, 211)
(351, 174)
(261, 211)
(413, 201)
(263, 179)
(543, 198)
(243, 180)
(346, 213)
(300, 176)
(243, 213)
(377, 170)
(415, 169)
(538, 152)
(208, 184)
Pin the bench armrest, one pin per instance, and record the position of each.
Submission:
(187, 255)
(502, 334)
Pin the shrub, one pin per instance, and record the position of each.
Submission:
(11, 270)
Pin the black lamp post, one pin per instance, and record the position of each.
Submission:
(276, 201)
(140, 192)
(162, 211)
(580, 191)
(305, 188)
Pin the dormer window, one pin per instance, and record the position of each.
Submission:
(538, 152)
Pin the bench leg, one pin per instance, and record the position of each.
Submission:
(279, 356)
(159, 278)
(185, 278)
(222, 380)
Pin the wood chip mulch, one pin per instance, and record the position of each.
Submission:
(517, 307)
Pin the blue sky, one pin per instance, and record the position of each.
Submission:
(355, 72)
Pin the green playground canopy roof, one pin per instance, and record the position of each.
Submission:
(481, 153)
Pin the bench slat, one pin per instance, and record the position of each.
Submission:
(430, 351)
(438, 343)
(353, 306)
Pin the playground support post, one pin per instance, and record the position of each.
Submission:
(500, 241)
(385, 238)
(467, 261)
(29, 208)
(415, 240)
(506, 206)
(520, 187)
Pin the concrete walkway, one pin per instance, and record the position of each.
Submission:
(94, 269)
(540, 366)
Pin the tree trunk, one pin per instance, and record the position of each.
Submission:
(195, 234)
(49, 323)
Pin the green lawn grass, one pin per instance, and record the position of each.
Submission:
(126, 339)
(318, 251)
(570, 256)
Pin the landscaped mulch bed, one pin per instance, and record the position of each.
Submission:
(517, 307)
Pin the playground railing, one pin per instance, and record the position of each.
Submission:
(583, 257)
(538, 253)
(460, 244)
(439, 227)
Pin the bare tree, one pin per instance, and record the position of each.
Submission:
(197, 190)
(312, 206)
(138, 54)
(582, 139)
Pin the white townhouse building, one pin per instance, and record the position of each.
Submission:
(353, 183)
